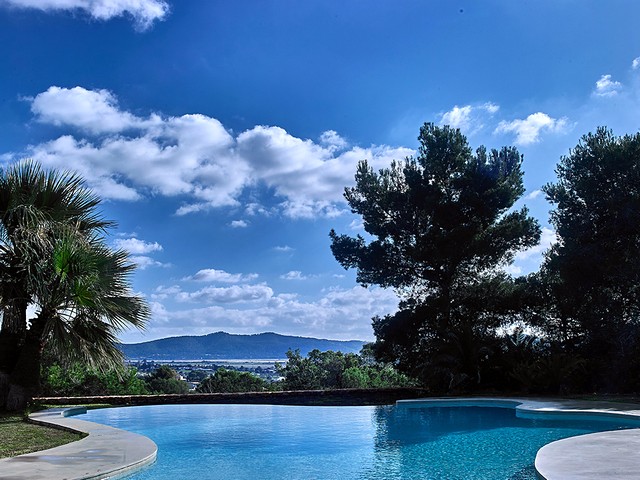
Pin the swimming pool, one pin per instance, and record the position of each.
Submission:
(365, 443)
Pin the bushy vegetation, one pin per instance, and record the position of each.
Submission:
(165, 380)
(80, 380)
(232, 381)
(330, 370)
(443, 226)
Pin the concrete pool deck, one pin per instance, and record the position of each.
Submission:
(106, 452)
(610, 455)
(110, 452)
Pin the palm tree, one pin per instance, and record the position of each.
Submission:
(83, 298)
(53, 255)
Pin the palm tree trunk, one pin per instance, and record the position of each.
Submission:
(11, 340)
(25, 377)
(9, 353)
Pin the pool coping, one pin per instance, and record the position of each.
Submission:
(105, 453)
(611, 454)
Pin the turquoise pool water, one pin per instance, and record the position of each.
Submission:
(265, 442)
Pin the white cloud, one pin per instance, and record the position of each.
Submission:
(457, 117)
(143, 12)
(529, 260)
(605, 87)
(127, 157)
(163, 292)
(356, 225)
(93, 110)
(135, 246)
(283, 248)
(491, 108)
(547, 238)
(331, 139)
(294, 275)
(528, 130)
(533, 195)
(254, 208)
(143, 262)
(636, 63)
(189, 155)
(212, 275)
(233, 294)
(138, 250)
(238, 224)
(468, 118)
(513, 270)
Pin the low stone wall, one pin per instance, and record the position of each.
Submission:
(382, 396)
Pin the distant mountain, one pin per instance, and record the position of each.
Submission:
(221, 345)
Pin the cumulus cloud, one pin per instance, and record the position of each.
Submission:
(635, 64)
(126, 157)
(457, 117)
(331, 139)
(605, 87)
(528, 131)
(143, 262)
(135, 246)
(138, 250)
(93, 110)
(468, 118)
(232, 294)
(163, 292)
(212, 275)
(238, 224)
(283, 248)
(294, 275)
(254, 208)
(284, 313)
(143, 12)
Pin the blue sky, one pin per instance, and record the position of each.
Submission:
(221, 134)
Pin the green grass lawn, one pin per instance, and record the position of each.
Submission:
(18, 436)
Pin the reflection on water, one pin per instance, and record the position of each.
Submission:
(463, 442)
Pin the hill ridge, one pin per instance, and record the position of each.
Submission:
(223, 345)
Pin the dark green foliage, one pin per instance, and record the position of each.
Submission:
(442, 225)
(329, 370)
(165, 380)
(591, 277)
(231, 381)
(196, 375)
(79, 380)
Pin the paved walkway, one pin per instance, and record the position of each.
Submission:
(106, 452)
(606, 455)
